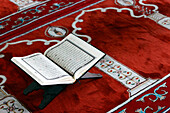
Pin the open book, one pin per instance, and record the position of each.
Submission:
(62, 63)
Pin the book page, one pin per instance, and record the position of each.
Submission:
(74, 55)
(44, 66)
(69, 56)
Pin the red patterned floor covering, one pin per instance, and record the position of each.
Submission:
(139, 43)
(154, 100)
(41, 14)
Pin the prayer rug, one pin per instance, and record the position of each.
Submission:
(127, 33)
(39, 15)
(10, 104)
(154, 99)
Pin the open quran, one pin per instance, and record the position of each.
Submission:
(62, 63)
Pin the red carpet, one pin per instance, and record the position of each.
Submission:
(139, 43)
(154, 99)
(31, 18)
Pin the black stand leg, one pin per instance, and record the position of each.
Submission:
(33, 86)
(50, 92)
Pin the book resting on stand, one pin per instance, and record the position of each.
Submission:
(63, 63)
